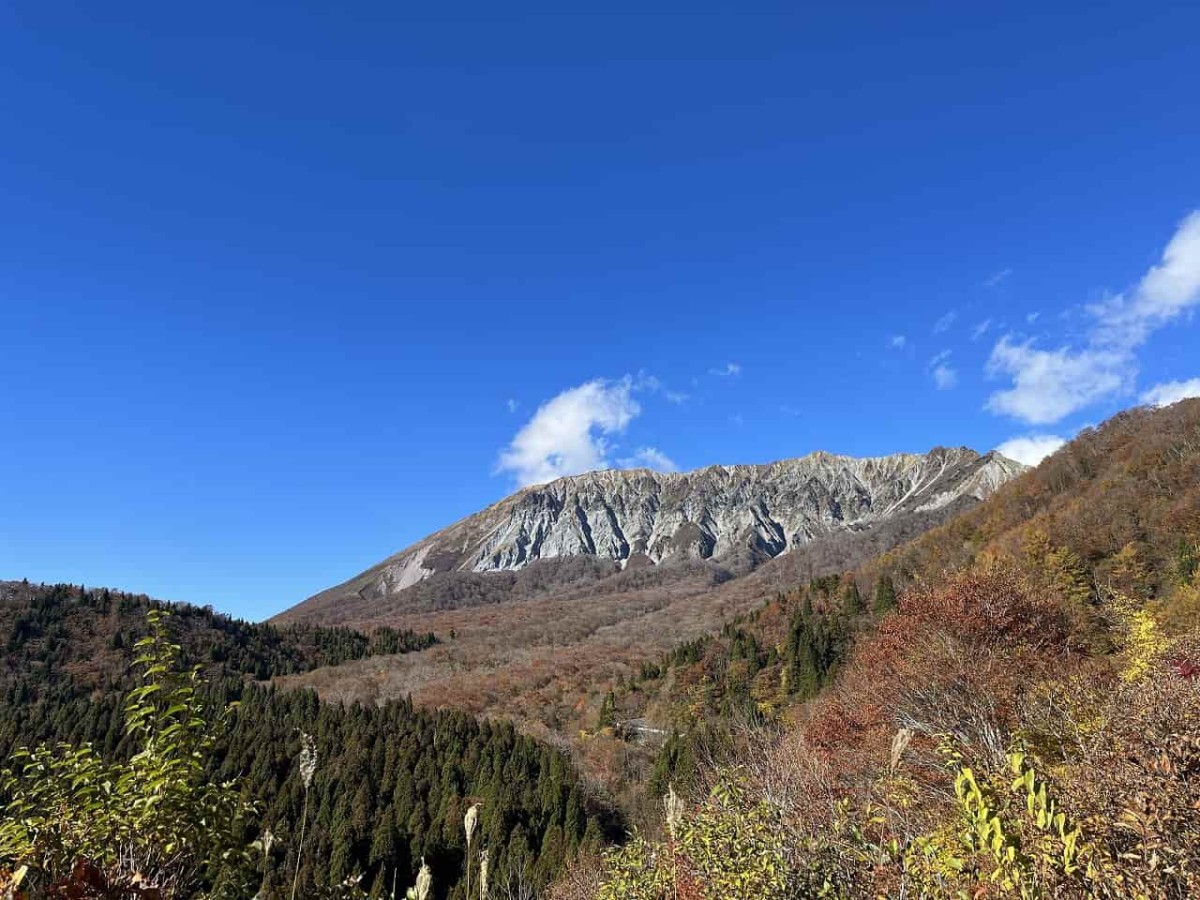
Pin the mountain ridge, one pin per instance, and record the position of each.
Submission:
(741, 514)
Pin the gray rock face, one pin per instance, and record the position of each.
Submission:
(716, 512)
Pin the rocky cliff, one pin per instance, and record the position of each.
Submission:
(639, 517)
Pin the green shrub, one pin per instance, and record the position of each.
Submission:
(151, 823)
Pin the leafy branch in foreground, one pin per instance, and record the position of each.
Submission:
(152, 826)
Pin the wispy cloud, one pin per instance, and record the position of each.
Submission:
(511, 404)
(898, 341)
(647, 382)
(644, 381)
(997, 278)
(729, 370)
(981, 329)
(1048, 385)
(944, 375)
(1171, 392)
(943, 324)
(1031, 449)
(649, 458)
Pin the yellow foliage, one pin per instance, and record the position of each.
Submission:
(1058, 568)
(1145, 643)
(1181, 611)
(728, 846)
(1128, 570)
(1010, 834)
(898, 789)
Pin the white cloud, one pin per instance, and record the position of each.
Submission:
(569, 434)
(649, 458)
(1048, 385)
(729, 370)
(898, 341)
(1171, 392)
(997, 278)
(676, 397)
(1173, 285)
(943, 324)
(945, 377)
(981, 329)
(1051, 384)
(1031, 449)
(1164, 293)
(511, 404)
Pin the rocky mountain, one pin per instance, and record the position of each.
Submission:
(737, 515)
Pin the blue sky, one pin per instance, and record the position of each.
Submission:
(286, 287)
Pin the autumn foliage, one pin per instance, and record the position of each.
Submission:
(1025, 722)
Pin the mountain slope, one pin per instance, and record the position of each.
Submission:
(1053, 631)
(736, 515)
(534, 643)
(1116, 510)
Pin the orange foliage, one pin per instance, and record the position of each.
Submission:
(953, 659)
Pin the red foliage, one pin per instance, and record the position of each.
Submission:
(86, 882)
(1186, 669)
(953, 659)
(988, 607)
(838, 725)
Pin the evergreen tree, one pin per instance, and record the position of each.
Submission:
(1188, 561)
(885, 595)
(851, 599)
(608, 710)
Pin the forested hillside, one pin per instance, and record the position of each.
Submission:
(1008, 705)
(1118, 505)
(69, 629)
(1116, 509)
(391, 784)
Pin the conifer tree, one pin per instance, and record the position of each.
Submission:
(608, 710)
(1188, 562)
(885, 595)
(851, 599)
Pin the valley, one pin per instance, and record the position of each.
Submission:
(627, 681)
(541, 641)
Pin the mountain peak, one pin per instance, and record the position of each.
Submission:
(748, 511)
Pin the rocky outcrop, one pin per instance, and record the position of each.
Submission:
(639, 516)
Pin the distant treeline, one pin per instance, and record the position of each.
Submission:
(46, 628)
